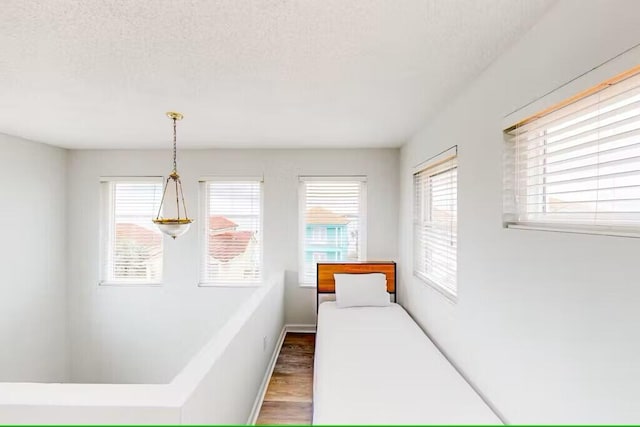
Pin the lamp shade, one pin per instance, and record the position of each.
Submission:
(173, 227)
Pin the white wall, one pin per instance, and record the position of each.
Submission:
(228, 390)
(129, 334)
(546, 324)
(33, 338)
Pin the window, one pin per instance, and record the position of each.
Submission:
(319, 235)
(435, 186)
(231, 231)
(319, 257)
(332, 222)
(576, 166)
(131, 244)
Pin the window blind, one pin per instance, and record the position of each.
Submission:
(232, 232)
(436, 222)
(132, 245)
(578, 166)
(332, 222)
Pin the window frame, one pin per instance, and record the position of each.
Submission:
(362, 218)
(204, 225)
(559, 100)
(106, 230)
(433, 167)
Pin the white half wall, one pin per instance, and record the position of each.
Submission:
(219, 385)
(33, 323)
(145, 334)
(67, 404)
(228, 389)
(546, 324)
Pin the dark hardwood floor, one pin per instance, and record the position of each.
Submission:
(290, 391)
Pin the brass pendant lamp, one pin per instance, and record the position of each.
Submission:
(177, 226)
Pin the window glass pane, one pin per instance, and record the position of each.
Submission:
(436, 224)
(233, 235)
(578, 165)
(133, 244)
(331, 223)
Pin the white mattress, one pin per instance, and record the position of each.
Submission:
(374, 365)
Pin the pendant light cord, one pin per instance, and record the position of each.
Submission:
(175, 166)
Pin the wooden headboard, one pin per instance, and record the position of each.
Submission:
(326, 283)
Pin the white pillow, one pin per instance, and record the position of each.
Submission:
(361, 290)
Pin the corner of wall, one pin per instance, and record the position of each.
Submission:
(67, 267)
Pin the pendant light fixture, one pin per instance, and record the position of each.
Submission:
(178, 225)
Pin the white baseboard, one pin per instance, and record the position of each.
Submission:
(301, 328)
(255, 411)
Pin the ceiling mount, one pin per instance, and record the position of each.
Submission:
(174, 116)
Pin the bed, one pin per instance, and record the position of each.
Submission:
(374, 365)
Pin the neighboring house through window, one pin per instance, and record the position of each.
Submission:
(131, 244)
(231, 231)
(332, 222)
(319, 256)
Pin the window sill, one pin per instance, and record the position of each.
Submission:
(229, 285)
(307, 285)
(446, 293)
(130, 284)
(599, 231)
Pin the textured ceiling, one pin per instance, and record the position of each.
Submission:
(245, 73)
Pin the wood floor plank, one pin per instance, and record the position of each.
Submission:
(297, 338)
(289, 395)
(290, 388)
(295, 365)
(285, 413)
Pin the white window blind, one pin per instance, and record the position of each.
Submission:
(131, 243)
(578, 166)
(231, 231)
(332, 222)
(435, 186)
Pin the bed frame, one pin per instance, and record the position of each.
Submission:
(326, 284)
